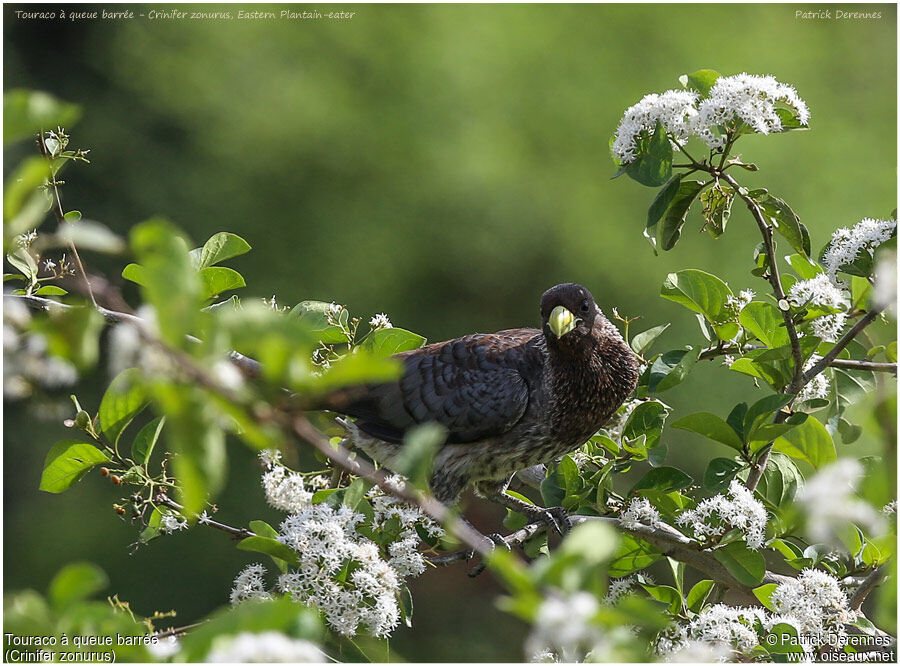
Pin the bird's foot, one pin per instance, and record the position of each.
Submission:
(496, 540)
(555, 517)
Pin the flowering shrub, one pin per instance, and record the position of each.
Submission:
(772, 555)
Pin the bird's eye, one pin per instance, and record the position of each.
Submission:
(585, 306)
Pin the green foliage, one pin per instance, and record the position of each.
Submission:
(67, 462)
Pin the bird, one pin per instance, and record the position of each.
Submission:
(507, 400)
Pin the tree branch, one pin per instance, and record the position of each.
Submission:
(845, 340)
(868, 584)
(237, 532)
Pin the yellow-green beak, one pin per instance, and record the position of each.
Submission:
(561, 321)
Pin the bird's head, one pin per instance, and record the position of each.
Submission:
(568, 312)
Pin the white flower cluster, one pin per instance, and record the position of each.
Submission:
(814, 604)
(740, 511)
(618, 588)
(830, 502)
(285, 490)
(264, 647)
(564, 629)
(817, 387)
(380, 321)
(249, 584)
(170, 523)
(820, 291)
(749, 98)
(327, 542)
(639, 512)
(720, 628)
(846, 244)
(743, 97)
(26, 361)
(615, 425)
(674, 109)
(739, 302)
(404, 555)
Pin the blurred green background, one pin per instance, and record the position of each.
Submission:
(443, 164)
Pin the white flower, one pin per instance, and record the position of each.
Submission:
(739, 302)
(885, 293)
(741, 511)
(249, 584)
(618, 587)
(204, 518)
(720, 628)
(49, 264)
(817, 387)
(285, 490)
(889, 508)
(830, 502)
(749, 98)
(691, 651)
(380, 321)
(639, 512)
(163, 648)
(270, 457)
(846, 244)
(264, 647)
(170, 523)
(564, 627)
(820, 291)
(227, 375)
(334, 314)
(728, 360)
(816, 604)
(25, 240)
(674, 109)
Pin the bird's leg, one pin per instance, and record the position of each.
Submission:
(555, 516)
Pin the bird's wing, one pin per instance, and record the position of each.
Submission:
(474, 386)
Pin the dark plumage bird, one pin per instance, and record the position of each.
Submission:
(509, 400)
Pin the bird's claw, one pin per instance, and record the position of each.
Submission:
(557, 518)
(496, 540)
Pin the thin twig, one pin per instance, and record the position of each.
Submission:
(845, 340)
(868, 584)
(238, 532)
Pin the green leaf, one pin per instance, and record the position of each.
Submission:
(764, 321)
(785, 221)
(809, 441)
(762, 410)
(780, 480)
(764, 594)
(711, 426)
(803, 266)
(68, 461)
(354, 494)
(170, 283)
(700, 81)
(352, 369)
(314, 314)
(146, 439)
(51, 290)
(135, 273)
(217, 279)
(631, 555)
(747, 566)
(659, 206)
(647, 419)
(719, 473)
(387, 341)
(269, 546)
(76, 582)
(663, 479)
(671, 368)
(748, 366)
(653, 166)
(21, 258)
(220, 247)
(124, 399)
(783, 638)
(642, 341)
(27, 112)
(263, 529)
(677, 211)
(717, 202)
(666, 594)
(698, 595)
(698, 291)
(416, 459)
